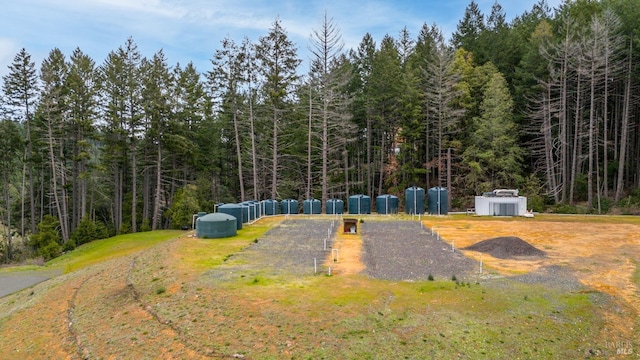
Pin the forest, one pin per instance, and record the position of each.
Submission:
(546, 103)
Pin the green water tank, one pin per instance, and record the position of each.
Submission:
(270, 207)
(359, 204)
(216, 225)
(234, 210)
(289, 206)
(438, 200)
(335, 206)
(312, 206)
(387, 204)
(415, 200)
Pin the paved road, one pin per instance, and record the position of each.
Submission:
(13, 282)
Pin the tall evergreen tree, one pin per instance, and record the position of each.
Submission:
(121, 101)
(156, 97)
(82, 84)
(277, 56)
(467, 34)
(20, 88)
(11, 142)
(53, 111)
(386, 88)
(362, 59)
(226, 81)
(493, 155)
(326, 46)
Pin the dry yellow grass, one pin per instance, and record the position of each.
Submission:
(603, 256)
(349, 250)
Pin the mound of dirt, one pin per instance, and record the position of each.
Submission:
(506, 247)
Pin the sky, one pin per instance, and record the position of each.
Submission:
(191, 30)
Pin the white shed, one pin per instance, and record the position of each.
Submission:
(501, 203)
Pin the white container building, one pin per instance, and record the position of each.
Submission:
(501, 202)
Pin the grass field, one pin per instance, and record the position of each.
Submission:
(159, 295)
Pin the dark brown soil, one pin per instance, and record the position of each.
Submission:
(507, 247)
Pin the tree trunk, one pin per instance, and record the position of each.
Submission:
(592, 121)
(576, 142)
(238, 150)
(325, 143)
(369, 129)
(624, 129)
(54, 179)
(309, 144)
(254, 160)
(274, 159)
(134, 185)
(158, 190)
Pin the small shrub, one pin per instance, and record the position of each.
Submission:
(69, 245)
(146, 225)
(453, 278)
(161, 290)
(430, 278)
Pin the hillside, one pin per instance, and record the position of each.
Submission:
(249, 297)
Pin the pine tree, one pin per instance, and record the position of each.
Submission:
(53, 111)
(493, 156)
(278, 65)
(330, 80)
(82, 84)
(467, 34)
(11, 142)
(20, 88)
(156, 80)
(226, 80)
(362, 59)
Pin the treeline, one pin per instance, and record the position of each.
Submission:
(546, 103)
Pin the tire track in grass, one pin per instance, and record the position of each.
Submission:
(82, 351)
(180, 334)
(47, 335)
(109, 321)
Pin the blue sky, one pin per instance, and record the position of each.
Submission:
(191, 30)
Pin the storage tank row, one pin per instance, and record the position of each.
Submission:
(437, 199)
(416, 201)
(230, 217)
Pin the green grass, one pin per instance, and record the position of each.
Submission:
(267, 316)
(203, 254)
(13, 269)
(106, 249)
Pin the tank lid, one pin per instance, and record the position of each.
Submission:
(217, 217)
(229, 206)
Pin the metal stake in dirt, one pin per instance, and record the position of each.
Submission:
(325, 244)
(334, 257)
(315, 265)
(329, 272)
(452, 246)
(480, 264)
